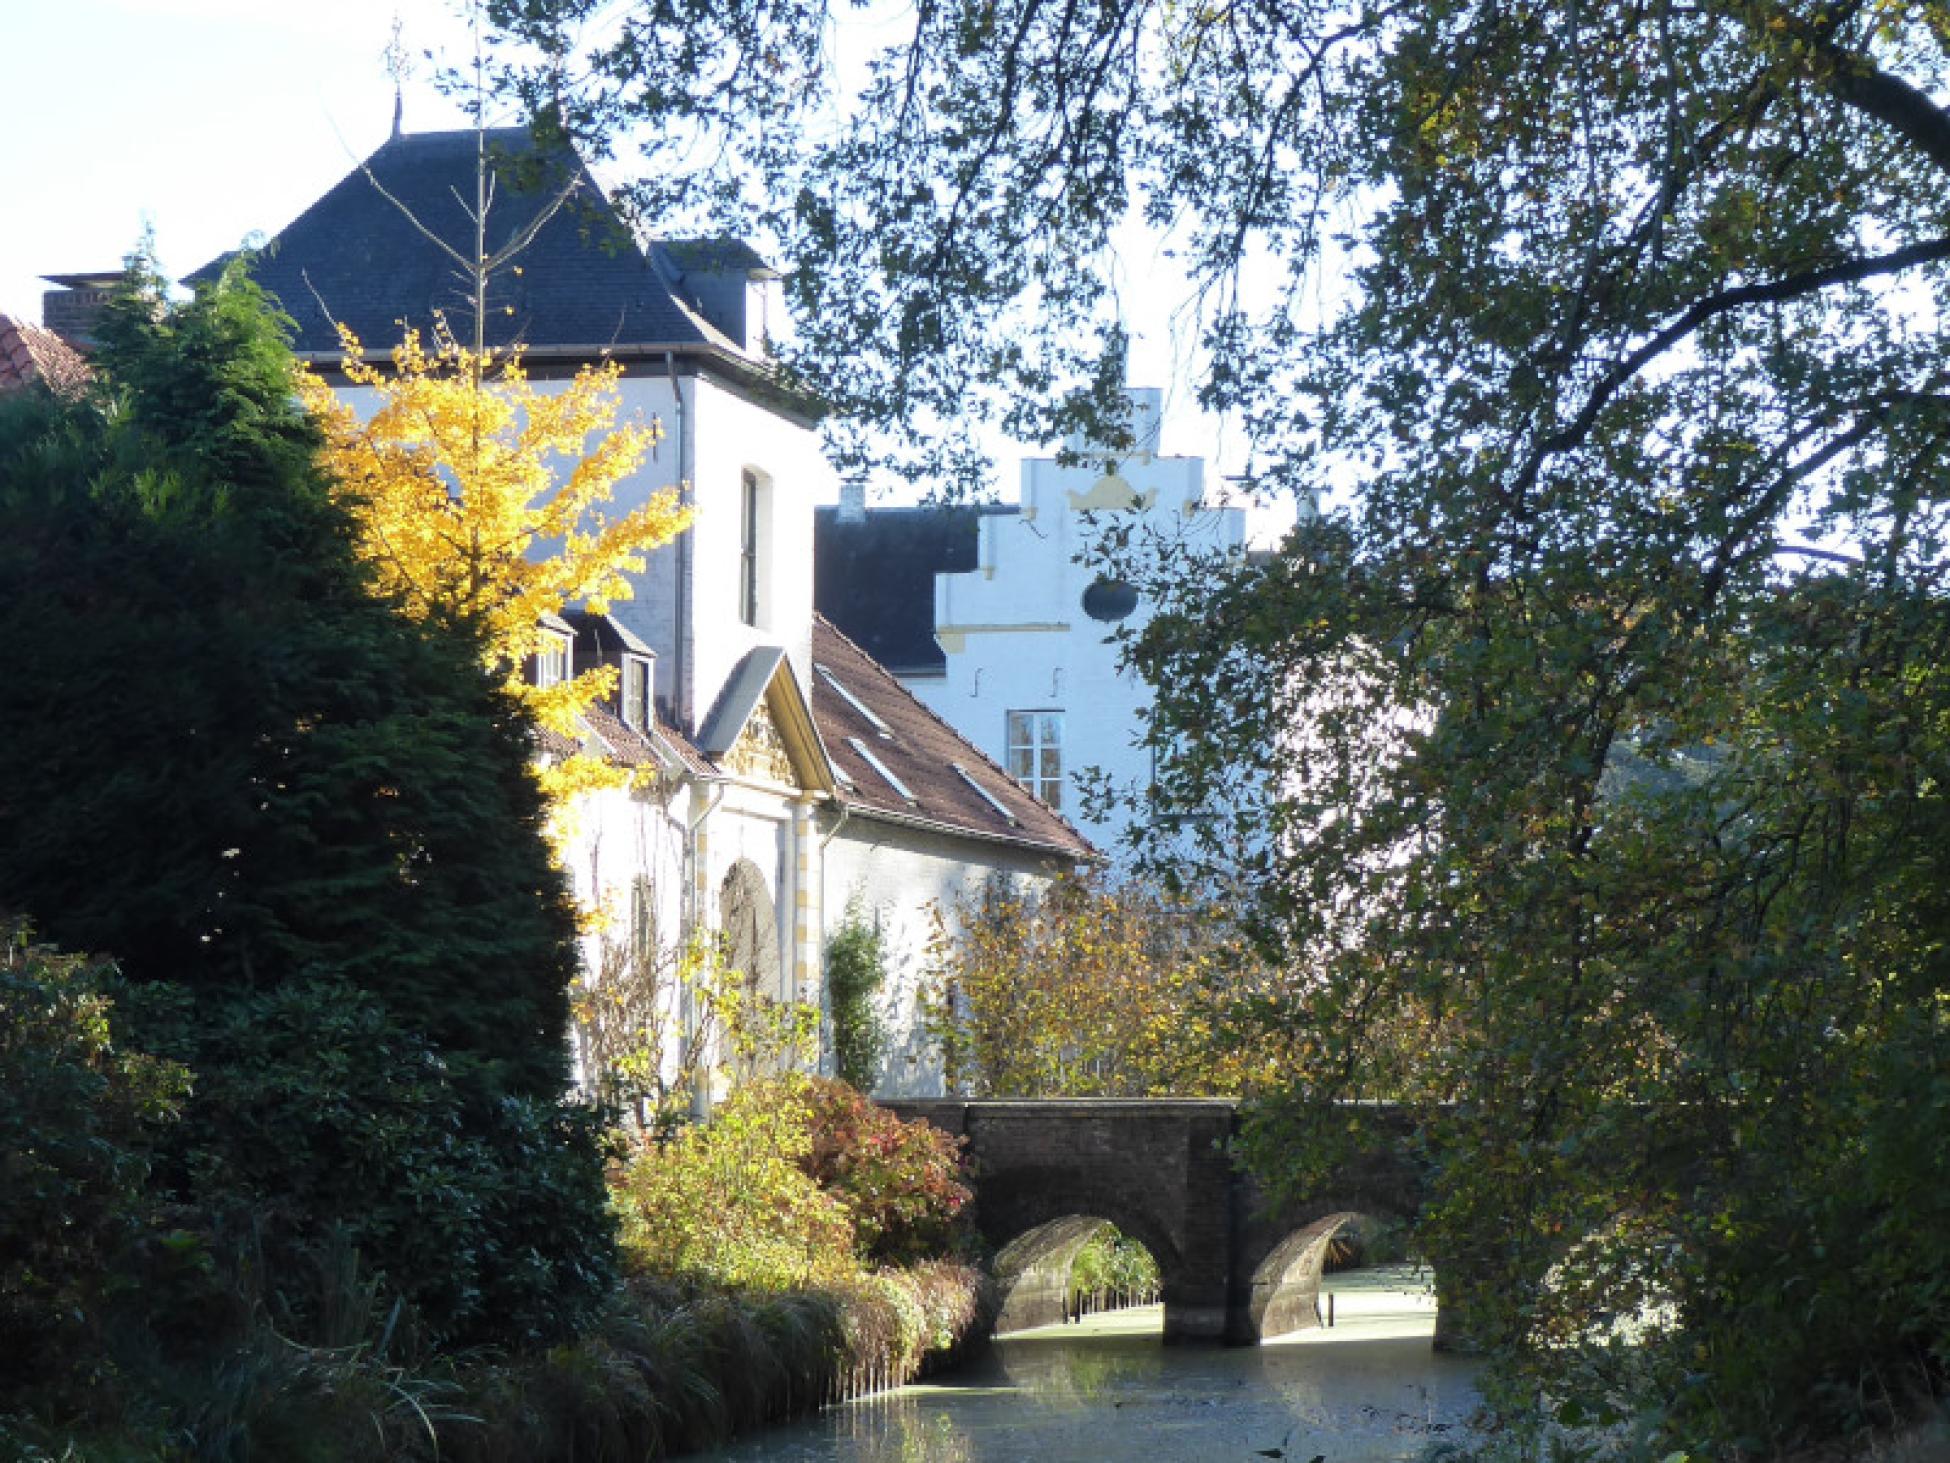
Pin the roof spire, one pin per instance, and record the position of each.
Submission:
(397, 67)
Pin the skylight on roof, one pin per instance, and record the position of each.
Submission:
(881, 767)
(987, 796)
(855, 702)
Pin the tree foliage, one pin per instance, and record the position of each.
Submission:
(1089, 988)
(856, 969)
(480, 501)
(303, 821)
(1603, 730)
(226, 757)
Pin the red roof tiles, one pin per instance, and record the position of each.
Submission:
(29, 353)
(949, 782)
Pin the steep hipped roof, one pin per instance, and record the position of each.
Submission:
(873, 577)
(29, 353)
(356, 257)
(901, 762)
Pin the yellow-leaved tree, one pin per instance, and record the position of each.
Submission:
(483, 499)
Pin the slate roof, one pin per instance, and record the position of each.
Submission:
(873, 577)
(354, 256)
(951, 783)
(29, 353)
(604, 634)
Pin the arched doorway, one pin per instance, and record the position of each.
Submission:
(750, 925)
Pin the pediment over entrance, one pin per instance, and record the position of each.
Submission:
(762, 727)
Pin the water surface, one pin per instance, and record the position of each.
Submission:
(1371, 1390)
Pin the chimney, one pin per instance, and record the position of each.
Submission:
(725, 281)
(70, 312)
(853, 502)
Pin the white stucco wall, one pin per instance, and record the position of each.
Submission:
(620, 836)
(715, 437)
(734, 435)
(895, 877)
(1015, 631)
(711, 435)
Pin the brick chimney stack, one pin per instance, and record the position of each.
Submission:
(70, 312)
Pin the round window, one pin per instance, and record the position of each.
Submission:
(1109, 600)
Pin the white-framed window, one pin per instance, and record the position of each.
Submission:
(552, 664)
(1036, 753)
(636, 692)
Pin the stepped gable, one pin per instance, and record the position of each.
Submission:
(355, 256)
(30, 353)
(927, 774)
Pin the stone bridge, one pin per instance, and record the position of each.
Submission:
(1048, 1173)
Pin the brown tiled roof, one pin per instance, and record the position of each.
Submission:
(626, 746)
(951, 783)
(687, 752)
(29, 353)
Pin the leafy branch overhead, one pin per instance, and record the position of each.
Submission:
(1545, 215)
(1597, 735)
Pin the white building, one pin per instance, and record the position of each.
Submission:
(996, 620)
(783, 775)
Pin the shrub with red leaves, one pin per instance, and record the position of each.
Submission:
(902, 1181)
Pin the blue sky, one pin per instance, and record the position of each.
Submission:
(206, 119)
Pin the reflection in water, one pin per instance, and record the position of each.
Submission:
(1369, 1391)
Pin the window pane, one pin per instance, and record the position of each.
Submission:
(1022, 763)
(1052, 764)
(1051, 727)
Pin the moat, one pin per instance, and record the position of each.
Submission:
(1370, 1390)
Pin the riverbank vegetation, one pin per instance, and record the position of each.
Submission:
(799, 1250)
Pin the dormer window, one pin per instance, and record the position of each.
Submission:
(634, 688)
(552, 662)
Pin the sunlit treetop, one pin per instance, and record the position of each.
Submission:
(485, 500)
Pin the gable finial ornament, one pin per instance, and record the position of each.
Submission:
(1112, 492)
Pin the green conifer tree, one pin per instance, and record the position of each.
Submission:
(305, 824)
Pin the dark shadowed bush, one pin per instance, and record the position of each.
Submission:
(78, 1116)
(316, 1117)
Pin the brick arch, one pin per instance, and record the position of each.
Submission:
(1282, 1251)
(1286, 1284)
(1235, 1267)
(1036, 1219)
